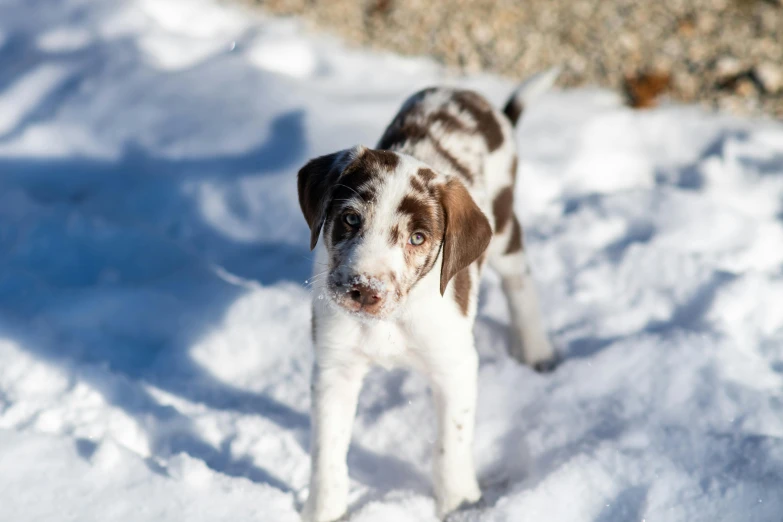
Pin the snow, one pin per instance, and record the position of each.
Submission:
(154, 316)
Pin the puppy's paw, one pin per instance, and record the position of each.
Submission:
(458, 499)
(311, 516)
(467, 512)
(544, 360)
(547, 365)
(534, 351)
(329, 511)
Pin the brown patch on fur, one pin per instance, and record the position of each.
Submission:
(467, 232)
(515, 242)
(514, 168)
(462, 290)
(426, 175)
(486, 122)
(381, 158)
(394, 235)
(355, 180)
(417, 185)
(405, 130)
(357, 177)
(421, 182)
(423, 216)
(458, 167)
(449, 123)
(402, 129)
(503, 209)
(367, 194)
(513, 110)
(413, 206)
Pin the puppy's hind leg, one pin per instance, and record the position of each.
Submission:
(529, 342)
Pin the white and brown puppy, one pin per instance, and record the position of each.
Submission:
(407, 228)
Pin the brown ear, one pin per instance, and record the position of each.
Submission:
(467, 232)
(315, 183)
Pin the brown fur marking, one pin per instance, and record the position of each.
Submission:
(355, 179)
(413, 206)
(381, 158)
(503, 209)
(515, 242)
(394, 235)
(449, 123)
(426, 175)
(458, 167)
(417, 185)
(402, 130)
(462, 290)
(486, 122)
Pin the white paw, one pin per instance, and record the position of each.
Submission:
(325, 507)
(535, 351)
(456, 496)
(327, 514)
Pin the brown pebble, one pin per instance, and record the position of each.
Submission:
(643, 89)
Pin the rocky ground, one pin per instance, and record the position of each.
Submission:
(726, 54)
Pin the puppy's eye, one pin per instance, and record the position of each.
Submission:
(352, 219)
(417, 239)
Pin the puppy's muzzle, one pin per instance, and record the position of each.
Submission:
(365, 294)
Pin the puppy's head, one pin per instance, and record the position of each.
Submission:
(386, 218)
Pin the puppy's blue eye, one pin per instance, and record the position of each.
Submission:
(352, 219)
(416, 239)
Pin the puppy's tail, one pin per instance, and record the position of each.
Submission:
(528, 91)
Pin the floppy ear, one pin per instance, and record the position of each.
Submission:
(315, 183)
(467, 233)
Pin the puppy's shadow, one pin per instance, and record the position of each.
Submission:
(384, 471)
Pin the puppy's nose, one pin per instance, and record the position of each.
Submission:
(365, 295)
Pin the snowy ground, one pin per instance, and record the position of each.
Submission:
(154, 321)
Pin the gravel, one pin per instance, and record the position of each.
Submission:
(726, 54)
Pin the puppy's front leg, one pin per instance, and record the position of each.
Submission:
(335, 390)
(454, 390)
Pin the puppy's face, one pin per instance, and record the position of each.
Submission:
(386, 218)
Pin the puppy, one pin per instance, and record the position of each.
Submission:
(406, 229)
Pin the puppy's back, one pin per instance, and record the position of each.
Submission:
(458, 133)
